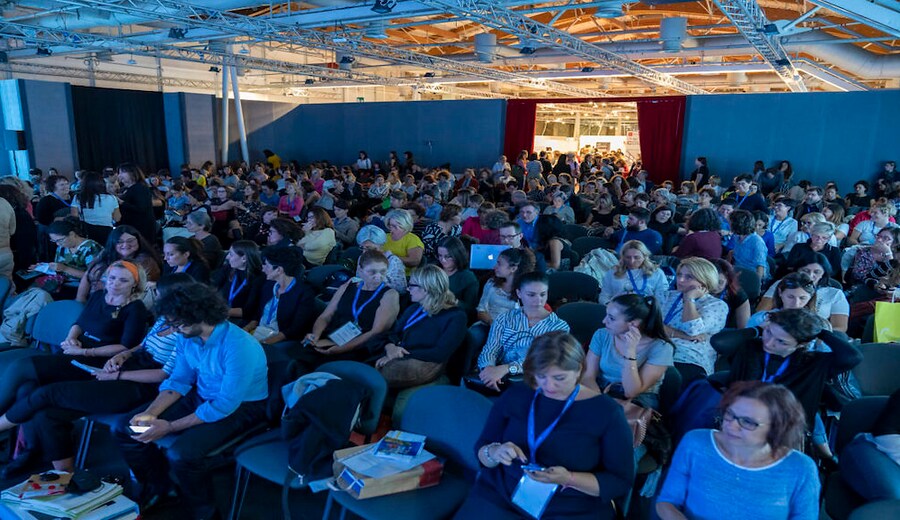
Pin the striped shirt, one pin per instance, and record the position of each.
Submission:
(161, 348)
(510, 337)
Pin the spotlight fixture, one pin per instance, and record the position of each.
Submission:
(4, 57)
(309, 81)
(384, 6)
(244, 50)
(429, 74)
(44, 51)
(527, 50)
(346, 60)
(215, 69)
(176, 33)
(587, 69)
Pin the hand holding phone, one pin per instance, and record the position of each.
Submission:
(136, 429)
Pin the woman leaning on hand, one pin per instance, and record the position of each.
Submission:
(576, 439)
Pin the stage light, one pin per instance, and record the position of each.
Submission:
(384, 6)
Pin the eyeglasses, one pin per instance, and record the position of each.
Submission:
(745, 423)
(509, 237)
(127, 242)
(58, 241)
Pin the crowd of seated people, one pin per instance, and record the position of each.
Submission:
(197, 286)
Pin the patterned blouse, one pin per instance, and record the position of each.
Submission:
(713, 314)
(81, 257)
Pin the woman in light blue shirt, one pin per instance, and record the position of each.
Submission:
(750, 467)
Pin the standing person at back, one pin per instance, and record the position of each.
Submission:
(136, 202)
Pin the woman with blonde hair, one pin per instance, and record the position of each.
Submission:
(865, 232)
(401, 240)
(635, 273)
(692, 315)
(426, 334)
(318, 236)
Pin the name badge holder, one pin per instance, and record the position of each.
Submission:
(533, 497)
(350, 330)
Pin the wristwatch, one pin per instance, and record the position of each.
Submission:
(514, 369)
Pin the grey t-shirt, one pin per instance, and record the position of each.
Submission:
(658, 353)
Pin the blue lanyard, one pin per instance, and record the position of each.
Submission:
(273, 305)
(186, 267)
(535, 443)
(416, 317)
(624, 235)
(634, 285)
(674, 309)
(774, 229)
(723, 295)
(234, 292)
(742, 199)
(57, 197)
(358, 310)
(767, 378)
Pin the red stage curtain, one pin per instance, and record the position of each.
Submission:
(520, 125)
(661, 125)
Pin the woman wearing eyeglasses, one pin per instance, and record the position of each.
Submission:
(512, 333)
(750, 466)
(783, 351)
(74, 252)
(124, 243)
(794, 291)
(831, 302)
(426, 334)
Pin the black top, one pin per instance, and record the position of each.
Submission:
(24, 240)
(592, 436)
(136, 207)
(750, 203)
(212, 251)
(800, 251)
(104, 324)
(734, 301)
(46, 209)
(246, 295)
(198, 271)
(434, 338)
(344, 311)
(296, 309)
(464, 286)
(703, 172)
(806, 372)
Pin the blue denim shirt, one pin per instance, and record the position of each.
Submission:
(228, 369)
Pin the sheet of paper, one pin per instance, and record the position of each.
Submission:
(368, 464)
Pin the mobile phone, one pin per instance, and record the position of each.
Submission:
(533, 467)
(137, 430)
(87, 368)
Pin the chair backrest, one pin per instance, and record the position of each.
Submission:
(5, 285)
(858, 416)
(573, 231)
(877, 374)
(367, 376)
(670, 390)
(877, 510)
(584, 245)
(452, 418)
(572, 286)
(750, 283)
(54, 321)
(462, 361)
(584, 318)
(318, 275)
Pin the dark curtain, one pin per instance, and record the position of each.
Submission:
(115, 126)
(520, 124)
(661, 126)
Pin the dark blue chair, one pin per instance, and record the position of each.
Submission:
(584, 319)
(52, 324)
(267, 455)
(451, 418)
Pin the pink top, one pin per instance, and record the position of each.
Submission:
(290, 207)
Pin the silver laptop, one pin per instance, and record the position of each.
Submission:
(485, 256)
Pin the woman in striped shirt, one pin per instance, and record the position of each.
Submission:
(512, 332)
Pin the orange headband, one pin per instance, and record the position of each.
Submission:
(130, 267)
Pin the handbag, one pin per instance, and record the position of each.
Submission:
(887, 322)
(638, 417)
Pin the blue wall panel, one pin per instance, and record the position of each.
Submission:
(842, 136)
(463, 133)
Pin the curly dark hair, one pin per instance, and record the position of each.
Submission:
(742, 222)
(192, 304)
(705, 219)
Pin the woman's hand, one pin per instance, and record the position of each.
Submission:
(695, 293)
(73, 350)
(103, 375)
(492, 376)
(626, 343)
(391, 352)
(115, 363)
(70, 342)
(507, 453)
(552, 475)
